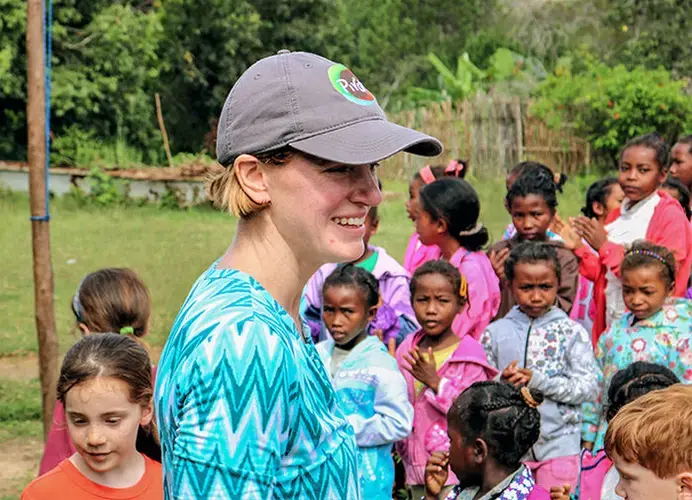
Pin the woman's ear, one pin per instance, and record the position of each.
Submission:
(83, 328)
(252, 178)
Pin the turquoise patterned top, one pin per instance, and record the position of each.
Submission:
(664, 339)
(244, 405)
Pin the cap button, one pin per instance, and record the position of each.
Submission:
(284, 51)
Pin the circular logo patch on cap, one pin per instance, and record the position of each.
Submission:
(349, 86)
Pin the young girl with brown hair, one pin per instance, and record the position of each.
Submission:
(109, 300)
(106, 387)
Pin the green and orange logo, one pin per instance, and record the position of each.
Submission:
(349, 86)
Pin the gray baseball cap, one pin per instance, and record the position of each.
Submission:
(314, 105)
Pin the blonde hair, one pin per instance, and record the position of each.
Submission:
(655, 432)
(226, 193)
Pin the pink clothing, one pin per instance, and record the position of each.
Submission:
(465, 366)
(484, 293)
(417, 254)
(592, 473)
(668, 227)
(58, 443)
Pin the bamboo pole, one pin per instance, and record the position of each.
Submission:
(162, 126)
(43, 271)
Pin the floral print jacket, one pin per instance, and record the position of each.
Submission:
(663, 338)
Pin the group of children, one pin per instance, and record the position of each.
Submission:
(499, 373)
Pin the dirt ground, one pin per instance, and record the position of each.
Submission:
(19, 460)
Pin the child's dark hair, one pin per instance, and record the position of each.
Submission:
(651, 141)
(532, 252)
(504, 416)
(539, 182)
(456, 202)
(527, 166)
(598, 192)
(683, 194)
(120, 357)
(637, 379)
(441, 267)
(113, 300)
(351, 275)
(643, 254)
(687, 139)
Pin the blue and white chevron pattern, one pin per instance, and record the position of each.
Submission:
(244, 405)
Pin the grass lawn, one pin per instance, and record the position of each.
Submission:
(168, 249)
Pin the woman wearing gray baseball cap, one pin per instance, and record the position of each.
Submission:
(244, 405)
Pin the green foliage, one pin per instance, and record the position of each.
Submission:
(104, 190)
(611, 105)
(651, 33)
(507, 72)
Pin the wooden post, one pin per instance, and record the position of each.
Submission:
(519, 129)
(43, 272)
(162, 126)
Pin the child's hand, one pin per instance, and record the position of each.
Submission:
(560, 492)
(436, 473)
(591, 230)
(423, 367)
(391, 347)
(516, 376)
(497, 260)
(569, 236)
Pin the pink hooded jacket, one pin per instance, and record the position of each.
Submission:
(465, 366)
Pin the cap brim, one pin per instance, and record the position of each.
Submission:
(368, 142)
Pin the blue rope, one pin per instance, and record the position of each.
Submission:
(48, 65)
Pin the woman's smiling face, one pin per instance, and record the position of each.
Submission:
(319, 209)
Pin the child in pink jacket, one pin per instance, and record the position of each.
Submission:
(437, 366)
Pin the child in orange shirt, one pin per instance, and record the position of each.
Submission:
(106, 388)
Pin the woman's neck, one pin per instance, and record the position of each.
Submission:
(448, 246)
(260, 251)
(127, 474)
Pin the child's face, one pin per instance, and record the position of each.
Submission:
(671, 191)
(462, 457)
(614, 198)
(532, 216)
(639, 173)
(346, 315)
(644, 290)
(103, 422)
(681, 164)
(427, 228)
(435, 303)
(534, 287)
(412, 202)
(639, 483)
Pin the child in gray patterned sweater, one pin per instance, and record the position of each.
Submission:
(536, 344)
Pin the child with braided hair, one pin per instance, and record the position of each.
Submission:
(492, 426)
(656, 329)
(437, 366)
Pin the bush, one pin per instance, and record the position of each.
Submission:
(611, 105)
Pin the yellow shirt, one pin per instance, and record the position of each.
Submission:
(440, 357)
